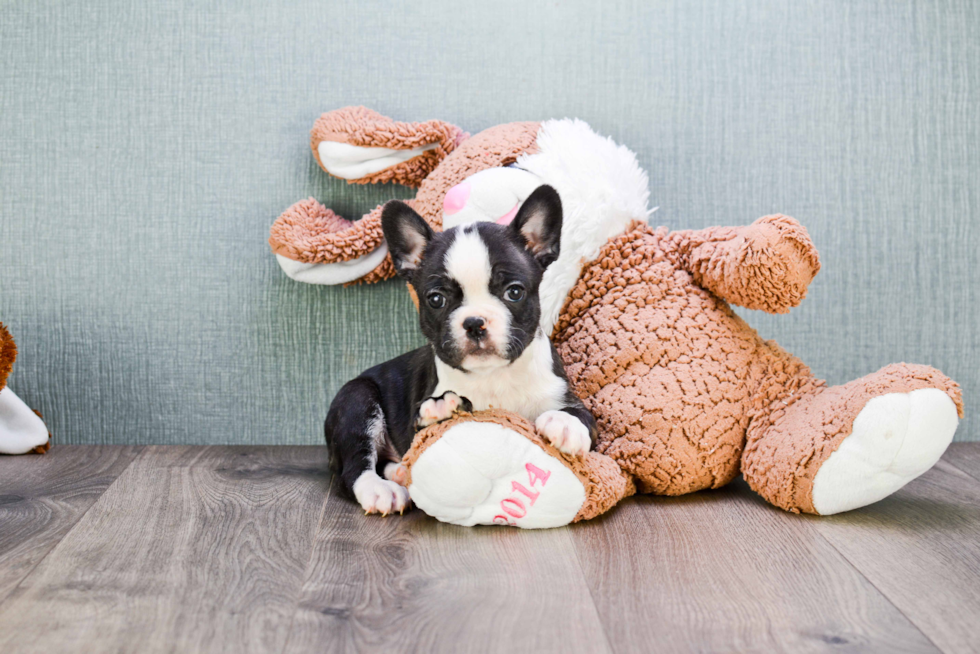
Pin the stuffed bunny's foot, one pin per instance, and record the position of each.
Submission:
(481, 473)
(833, 449)
(895, 438)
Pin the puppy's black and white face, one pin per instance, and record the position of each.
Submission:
(477, 284)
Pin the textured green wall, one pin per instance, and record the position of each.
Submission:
(146, 147)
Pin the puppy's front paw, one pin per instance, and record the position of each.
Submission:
(564, 431)
(437, 409)
(377, 495)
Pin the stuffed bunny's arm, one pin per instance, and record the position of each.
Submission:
(765, 266)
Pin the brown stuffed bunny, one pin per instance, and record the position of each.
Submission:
(686, 394)
(21, 430)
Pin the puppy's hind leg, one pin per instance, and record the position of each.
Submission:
(355, 432)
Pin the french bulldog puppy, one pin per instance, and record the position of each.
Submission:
(477, 286)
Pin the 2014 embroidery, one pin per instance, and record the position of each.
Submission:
(513, 506)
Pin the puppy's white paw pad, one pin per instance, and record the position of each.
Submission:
(564, 431)
(377, 495)
(437, 409)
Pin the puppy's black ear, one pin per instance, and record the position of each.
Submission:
(538, 222)
(407, 235)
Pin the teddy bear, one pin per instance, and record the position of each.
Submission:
(686, 394)
(21, 429)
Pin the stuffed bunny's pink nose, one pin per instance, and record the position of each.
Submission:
(456, 198)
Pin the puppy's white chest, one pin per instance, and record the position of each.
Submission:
(528, 386)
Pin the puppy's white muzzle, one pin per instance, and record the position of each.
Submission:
(494, 332)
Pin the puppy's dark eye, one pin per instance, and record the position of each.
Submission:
(436, 300)
(514, 293)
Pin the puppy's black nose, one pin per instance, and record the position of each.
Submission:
(476, 327)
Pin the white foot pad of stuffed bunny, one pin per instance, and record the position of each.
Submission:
(482, 473)
(895, 438)
(377, 495)
(564, 431)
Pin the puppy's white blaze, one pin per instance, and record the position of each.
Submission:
(468, 262)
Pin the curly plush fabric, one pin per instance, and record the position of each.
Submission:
(8, 354)
(678, 382)
(754, 267)
(311, 233)
(367, 128)
(308, 232)
(669, 371)
(788, 444)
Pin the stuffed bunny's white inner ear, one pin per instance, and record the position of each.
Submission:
(331, 274)
(354, 161)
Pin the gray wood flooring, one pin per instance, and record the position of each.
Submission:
(251, 549)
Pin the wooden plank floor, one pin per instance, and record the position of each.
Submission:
(251, 549)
